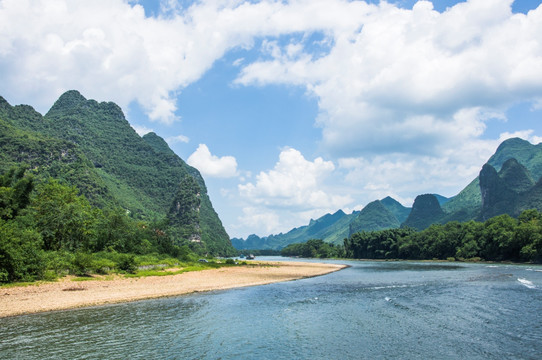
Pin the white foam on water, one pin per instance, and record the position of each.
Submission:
(387, 298)
(527, 283)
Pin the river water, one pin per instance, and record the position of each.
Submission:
(371, 310)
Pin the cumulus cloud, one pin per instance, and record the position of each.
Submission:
(211, 165)
(405, 79)
(404, 95)
(291, 193)
(294, 182)
(266, 221)
(110, 50)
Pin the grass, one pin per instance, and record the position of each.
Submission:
(156, 266)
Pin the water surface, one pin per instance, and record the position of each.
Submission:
(372, 310)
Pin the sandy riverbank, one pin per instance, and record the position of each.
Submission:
(68, 294)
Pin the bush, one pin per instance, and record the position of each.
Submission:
(21, 257)
(126, 262)
(82, 264)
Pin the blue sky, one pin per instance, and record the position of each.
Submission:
(292, 109)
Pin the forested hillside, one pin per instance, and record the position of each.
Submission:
(90, 147)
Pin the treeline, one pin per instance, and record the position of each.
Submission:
(314, 248)
(498, 239)
(47, 229)
(501, 238)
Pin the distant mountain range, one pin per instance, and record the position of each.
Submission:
(508, 183)
(92, 146)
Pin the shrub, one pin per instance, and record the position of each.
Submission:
(126, 262)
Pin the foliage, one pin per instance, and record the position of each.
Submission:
(91, 146)
(64, 220)
(498, 239)
(52, 231)
(21, 256)
(314, 248)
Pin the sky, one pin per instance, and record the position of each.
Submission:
(292, 109)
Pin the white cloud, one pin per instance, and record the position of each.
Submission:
(266, 221)
(404, 95)
(211, 165)
(177, 139)
(294, 181)
(524, 134)
(141, 130)
(413, 80)
(293, 191)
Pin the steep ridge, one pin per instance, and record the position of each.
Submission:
(92, 146)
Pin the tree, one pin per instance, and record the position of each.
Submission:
(65, 220)
(15, 189)
(21, 257)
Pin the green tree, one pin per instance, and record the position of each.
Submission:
(21, 257)
(64, 219)
(15, 189)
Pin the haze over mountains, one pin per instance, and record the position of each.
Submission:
(92, 146)
(508, 183)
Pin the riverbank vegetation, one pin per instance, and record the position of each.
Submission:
(501, 238)
(48, 230)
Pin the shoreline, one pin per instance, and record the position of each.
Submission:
(66, 294)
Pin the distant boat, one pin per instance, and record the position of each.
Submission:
(250, 257)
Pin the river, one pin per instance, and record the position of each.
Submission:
(371, 310)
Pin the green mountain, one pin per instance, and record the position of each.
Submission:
(373, 217)
(426, 210)
(467, 204)
(399, 211)
(510, 191)
(332, 228)
(509, 183)
(92, 146)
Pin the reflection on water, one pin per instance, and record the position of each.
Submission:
(372, 310)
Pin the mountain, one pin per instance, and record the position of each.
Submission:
(509, 183)
(426, 210)
(373, 217)
(92, 146)
(509, 191)
(332, 228)
(467, 205)
(399, 211)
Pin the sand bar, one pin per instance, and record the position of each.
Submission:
(68, 294)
